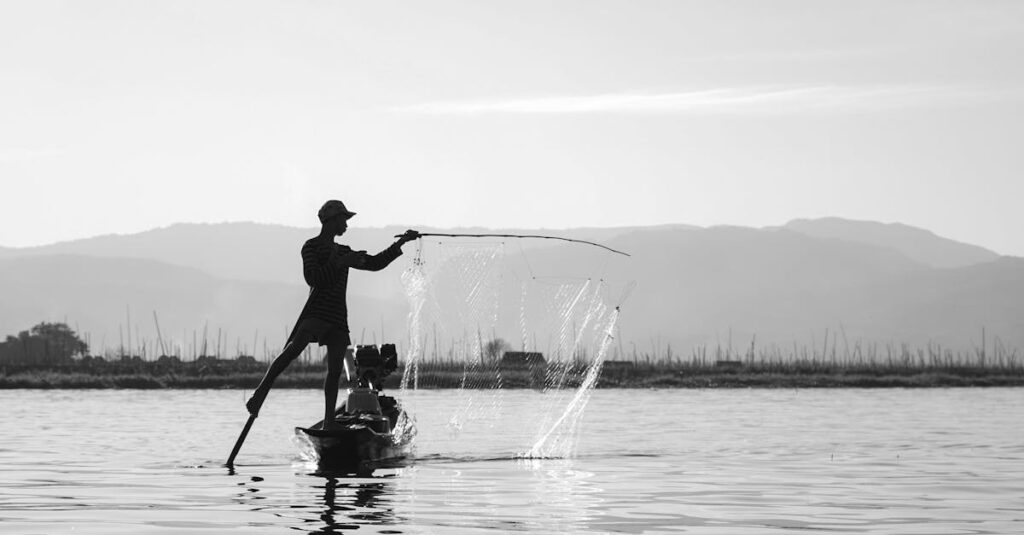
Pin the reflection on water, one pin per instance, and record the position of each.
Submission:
(740, 461)
(323, 503)
(365, 502)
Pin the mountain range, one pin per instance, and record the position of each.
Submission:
(864, 283)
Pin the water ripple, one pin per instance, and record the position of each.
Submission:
(719, 462)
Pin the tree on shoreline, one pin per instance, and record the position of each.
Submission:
(494, 349)
(45, 343)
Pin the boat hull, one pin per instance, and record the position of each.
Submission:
(359, 441)
(351, 450)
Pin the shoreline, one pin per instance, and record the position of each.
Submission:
(523, 379)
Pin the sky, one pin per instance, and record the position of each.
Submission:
(118, 117)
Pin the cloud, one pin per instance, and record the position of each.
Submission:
(21, 154)
(736, 100)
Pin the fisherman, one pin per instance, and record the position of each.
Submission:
(324, 319)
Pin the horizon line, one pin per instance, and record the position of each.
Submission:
(540, 228)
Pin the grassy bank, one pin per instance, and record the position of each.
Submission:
(693, 374)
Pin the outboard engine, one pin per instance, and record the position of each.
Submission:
(373, 365)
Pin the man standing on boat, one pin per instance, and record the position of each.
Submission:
(324, 319)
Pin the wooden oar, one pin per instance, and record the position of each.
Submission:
(241, 439)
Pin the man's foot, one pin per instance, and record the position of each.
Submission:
(330, 425)
(255, 402)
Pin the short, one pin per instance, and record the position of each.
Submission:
(322, 332)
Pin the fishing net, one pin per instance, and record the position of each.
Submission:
(481, 325)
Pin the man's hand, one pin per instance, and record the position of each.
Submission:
(409, 236)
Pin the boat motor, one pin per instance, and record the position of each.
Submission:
(373, 364)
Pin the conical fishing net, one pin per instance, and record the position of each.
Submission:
(479, 323)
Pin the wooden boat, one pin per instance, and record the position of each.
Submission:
(370, 429)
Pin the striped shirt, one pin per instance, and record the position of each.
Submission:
(325, 267)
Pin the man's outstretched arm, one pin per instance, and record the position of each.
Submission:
(365, 262)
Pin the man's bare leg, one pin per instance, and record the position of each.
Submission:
(292, 350)
(335, 358)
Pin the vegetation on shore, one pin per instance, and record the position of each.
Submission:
(51, 356)
(246, 373)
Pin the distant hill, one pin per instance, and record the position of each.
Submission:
(785, 288)
(97, 296)
(243, 251)
(260, 252)
(947, 306)
(694, 286)
(917, 244)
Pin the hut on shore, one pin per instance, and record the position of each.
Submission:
(522, 359)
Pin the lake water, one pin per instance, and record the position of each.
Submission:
(646, 461)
